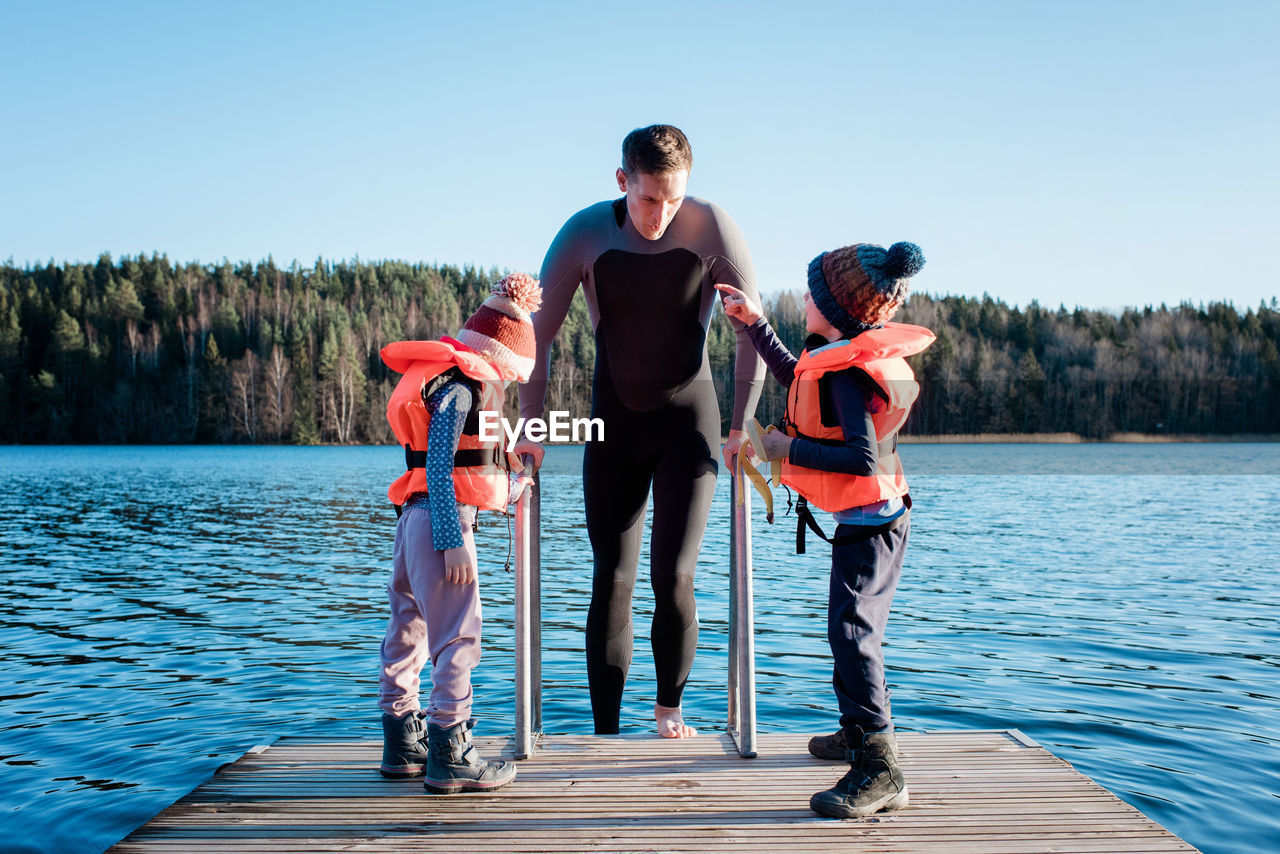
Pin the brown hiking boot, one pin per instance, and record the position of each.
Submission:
(832, 746)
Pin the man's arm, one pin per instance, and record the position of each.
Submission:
(562, 272)
(731, 265)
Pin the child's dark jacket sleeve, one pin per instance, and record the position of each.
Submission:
(858, 454)
(775, 354)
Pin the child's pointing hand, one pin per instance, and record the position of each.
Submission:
(738, 305)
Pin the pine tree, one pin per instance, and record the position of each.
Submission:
(305, 431)
(215, 406)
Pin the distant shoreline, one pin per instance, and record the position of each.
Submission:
(953, 439)
(1077, 439)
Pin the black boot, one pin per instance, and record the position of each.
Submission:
(404, 745)
(453, 764)
(874, 781)
(833, 746)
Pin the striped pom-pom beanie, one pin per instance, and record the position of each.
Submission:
(502, 329)
(860, 287)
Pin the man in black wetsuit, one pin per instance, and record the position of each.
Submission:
(647, 264)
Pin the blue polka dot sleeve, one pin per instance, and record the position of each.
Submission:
(448, 407)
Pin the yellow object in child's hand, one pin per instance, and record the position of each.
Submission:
(754, 436)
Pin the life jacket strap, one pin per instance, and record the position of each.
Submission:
(804, 518)
(463, 458)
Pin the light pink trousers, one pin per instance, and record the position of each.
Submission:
(431, 619)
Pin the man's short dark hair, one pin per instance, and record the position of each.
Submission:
(656, 150)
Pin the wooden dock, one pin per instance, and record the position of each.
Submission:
(988, 792)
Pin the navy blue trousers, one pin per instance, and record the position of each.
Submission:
(864, 577)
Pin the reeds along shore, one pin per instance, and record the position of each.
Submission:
(1076, 438)
(145, 350)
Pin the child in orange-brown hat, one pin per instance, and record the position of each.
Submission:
(433, 592)
(848, 395)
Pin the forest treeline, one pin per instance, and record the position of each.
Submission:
(146, 350)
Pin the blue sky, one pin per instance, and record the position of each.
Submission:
(1088, 153)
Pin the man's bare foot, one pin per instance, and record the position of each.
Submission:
(671, 722)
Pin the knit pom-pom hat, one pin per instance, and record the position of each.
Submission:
(861, 286)
(502, 329)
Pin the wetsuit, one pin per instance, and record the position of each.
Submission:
(649, 302)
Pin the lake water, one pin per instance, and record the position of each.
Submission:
(164, 609)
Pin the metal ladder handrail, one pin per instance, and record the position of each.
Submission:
(528, 623)
(528, 620)
(742, 643)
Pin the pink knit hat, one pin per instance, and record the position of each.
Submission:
(501, 329)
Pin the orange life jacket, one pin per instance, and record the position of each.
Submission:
(880, 355)
(479, 476)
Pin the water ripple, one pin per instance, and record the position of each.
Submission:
(163, 609)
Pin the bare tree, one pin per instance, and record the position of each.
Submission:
(278, 404)
(349, 387)
(244, 393)
(132, 340)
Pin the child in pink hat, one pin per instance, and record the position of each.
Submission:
(450, 474)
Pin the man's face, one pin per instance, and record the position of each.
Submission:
(652, 200)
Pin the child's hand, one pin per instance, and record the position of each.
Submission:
(738, 305)
(518, 484)
(459, 568)
(777, 445)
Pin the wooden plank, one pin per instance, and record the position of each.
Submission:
(983, 791)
